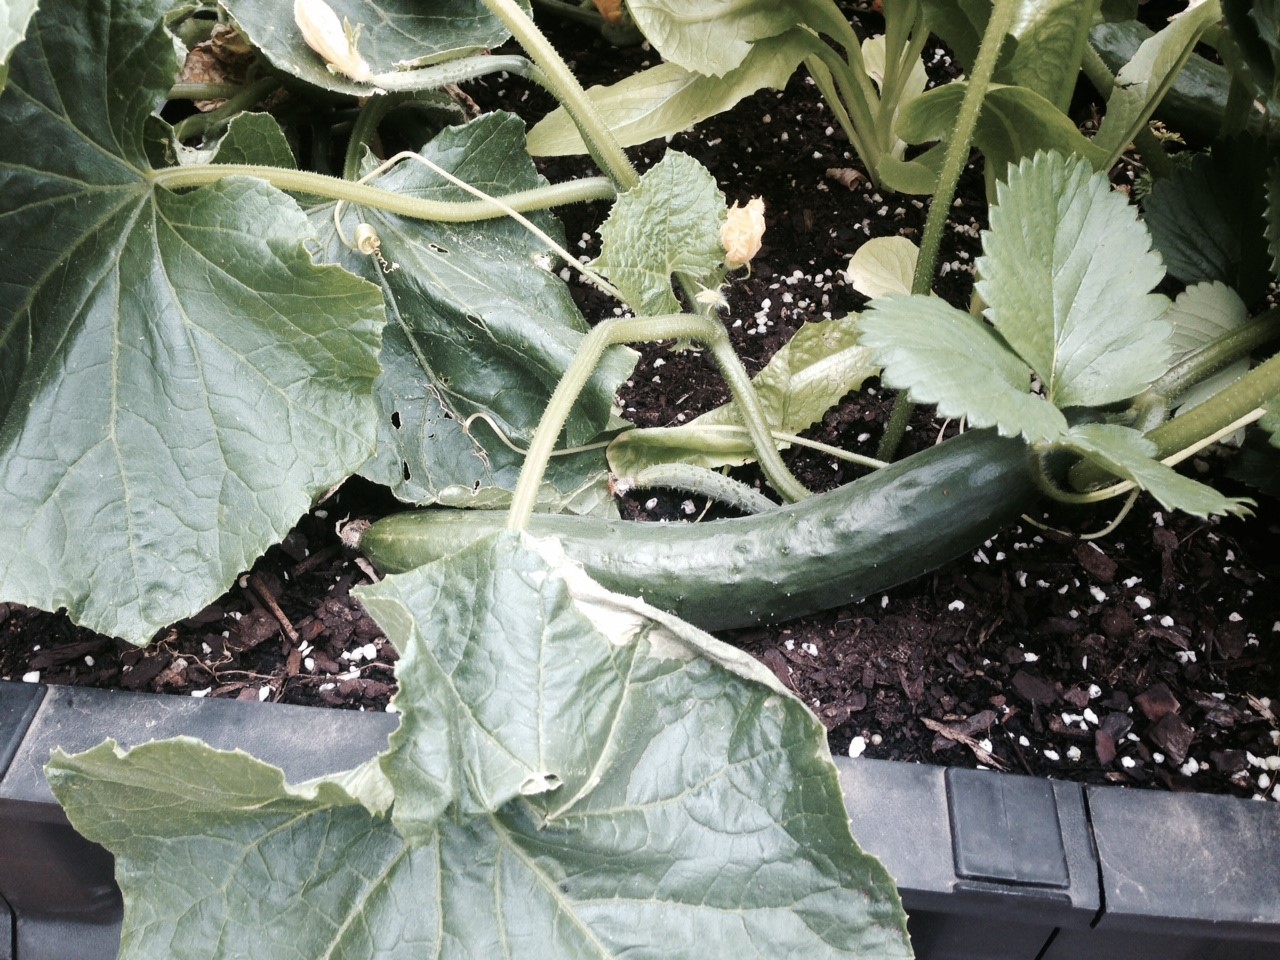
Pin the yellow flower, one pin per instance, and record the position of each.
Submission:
(742, 232)
(335, 41)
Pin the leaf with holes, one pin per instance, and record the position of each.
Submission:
(575, 775)
(478, 323)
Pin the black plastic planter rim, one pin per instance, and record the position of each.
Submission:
(990, 865)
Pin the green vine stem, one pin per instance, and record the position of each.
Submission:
(708, 331)
(460, 70)
(600, 141)
(953, 164)
(245, 97)
(1236, 403)
(203, 91)
(689, 478)
(1221, 353)
(336, 188)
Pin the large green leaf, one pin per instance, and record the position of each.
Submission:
(1143, 82)
(576, 775)
(944, 356)
(1207, 220)
(478, 324)
(668, 223)
(179, 379)
(1272, 213)
(811, 374)
(668, 99)
(1066, 272)
(712, 37)
(394, 34)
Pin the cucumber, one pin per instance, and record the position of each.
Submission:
(822, 552)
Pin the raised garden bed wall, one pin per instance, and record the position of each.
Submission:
(990, 866)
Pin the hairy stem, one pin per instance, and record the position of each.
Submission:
(1250, 393)
(336, 188)
(953, 164)
(640, 330)
(600, 141)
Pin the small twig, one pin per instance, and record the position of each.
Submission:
(951, 733)
(265, 595)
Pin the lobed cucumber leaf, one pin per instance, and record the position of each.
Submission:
(576, 775)
(394, 35)
(478, 324)
(668, 223)
(159, 427)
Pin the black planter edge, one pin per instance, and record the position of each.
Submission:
(990, 866)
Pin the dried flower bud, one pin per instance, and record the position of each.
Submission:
(742, 232)
(335, 41)
(611, 10)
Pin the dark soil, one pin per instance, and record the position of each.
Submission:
(1149, 657)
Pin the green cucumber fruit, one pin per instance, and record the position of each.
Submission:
(832, 548)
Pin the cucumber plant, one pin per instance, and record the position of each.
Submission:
(220, 315)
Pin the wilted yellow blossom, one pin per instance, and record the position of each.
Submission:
(334, 40)
(742, 232)
(611, 10)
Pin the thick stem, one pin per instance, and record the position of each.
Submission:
(243, 99)
(640, 330)
(953, 164)
(600, 141)
(425, 79)
(1255, 389)
(335, 188)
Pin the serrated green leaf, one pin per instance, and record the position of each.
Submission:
(883, 265)
(662, 792)
(711, 37)
(478, 324)
(255, 138)
(1015, 123)
(813, 372)
(1143, 82)
(1066, 272)
(393, 34)
(668, 99)
(943, 356)
(1207, 220)
(668, 223)
(161, 427)
(1128, 454)
(14, 17)
(1200, 315)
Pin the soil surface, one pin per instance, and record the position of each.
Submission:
(1148, 657)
